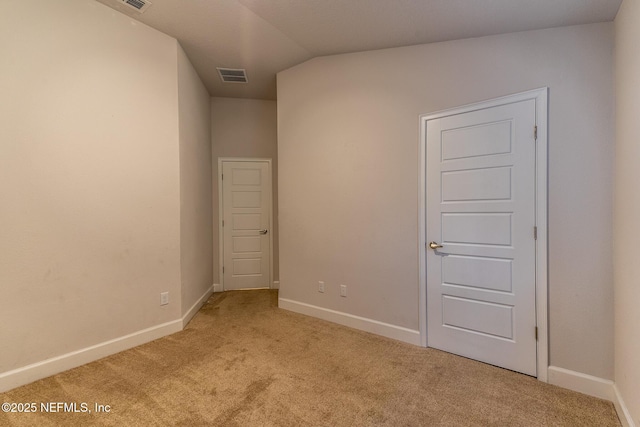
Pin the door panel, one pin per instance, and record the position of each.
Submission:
(246, 221)
(247, 244)
(243, 174)
(477, 272)
(479, 228)
(477, 140)
(481, 209)
(479, 184)
(247, 266)
(478, 316)
(246, 207)
(247, 199)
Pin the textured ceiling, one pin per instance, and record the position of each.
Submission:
(268, 36)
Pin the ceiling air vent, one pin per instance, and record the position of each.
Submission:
(139, 5)
(232, 75)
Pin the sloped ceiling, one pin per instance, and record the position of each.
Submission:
(268, 36)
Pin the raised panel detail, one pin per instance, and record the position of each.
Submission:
(473, 141)
(246, 177)
(478, 184)
(478, 228)
(247, 266)
(243, 221)
(246, 199)
(246, 244)
(478, 316)
(477, 272)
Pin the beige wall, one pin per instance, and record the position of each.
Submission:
(196, 246)
(627, 208)
(90, 182)
(244, 128)
(348, 167)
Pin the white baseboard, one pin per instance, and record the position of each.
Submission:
(592, 386)
(582, 383)
(621, 408)
(368, 325)
(195, 307)
(276, 284)
(46, 368)
(217, 287)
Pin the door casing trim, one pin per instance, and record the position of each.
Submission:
(541, 170)
(221, 214)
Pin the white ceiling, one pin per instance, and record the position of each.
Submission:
(268, 36)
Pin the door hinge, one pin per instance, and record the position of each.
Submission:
(223, 269)
(222, 177)
(223, 222)
(535, 233)
(536, 333)
(535, 132)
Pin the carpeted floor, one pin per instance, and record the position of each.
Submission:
(244, 362)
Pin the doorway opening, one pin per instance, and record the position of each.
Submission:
(245, 223)
(483, 231)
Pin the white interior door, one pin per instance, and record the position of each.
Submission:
(246, 207)
(480, 193)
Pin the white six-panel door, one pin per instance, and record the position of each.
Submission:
(246, 209)
(481, 195)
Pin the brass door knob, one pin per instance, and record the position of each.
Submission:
(434, 245)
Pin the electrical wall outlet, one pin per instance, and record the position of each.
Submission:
(321, 286)
(164, 298)
(343, 291)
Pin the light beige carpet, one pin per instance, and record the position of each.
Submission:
(244, 362)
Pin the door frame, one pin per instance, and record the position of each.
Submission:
(541, 280)
(221, 160)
